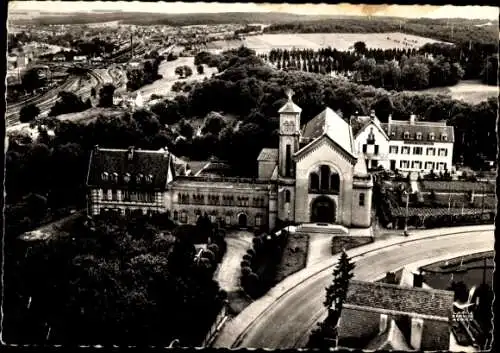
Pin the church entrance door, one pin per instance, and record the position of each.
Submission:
(323, 210)
(242, 220)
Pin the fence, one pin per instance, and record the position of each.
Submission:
(216, 326)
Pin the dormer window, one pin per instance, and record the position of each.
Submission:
(432, 136)
(444, 137)
(138, 178)
(149, 178)
(406, 135)
(126, 177)
(104, 176)
(115, 177)
(419, 135)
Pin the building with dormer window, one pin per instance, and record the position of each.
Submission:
(407, 146)
(315, 175)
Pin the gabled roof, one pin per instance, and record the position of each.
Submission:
(369, 121)
(433, 302)
(154, 163)
(325, 137)
(330, 123)
(268, 155)
(391, 339)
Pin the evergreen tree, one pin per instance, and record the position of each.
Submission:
(326, 332)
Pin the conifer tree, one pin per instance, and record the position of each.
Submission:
(336, 293)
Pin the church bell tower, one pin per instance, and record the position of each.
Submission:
(289, 135)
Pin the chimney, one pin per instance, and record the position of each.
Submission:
(130, 153)
(412, 119)
(389, 122)
(372, 114)
(417, 327)
(384, 319)
(418, 280)
(391, 277)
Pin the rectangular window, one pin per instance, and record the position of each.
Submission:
(258, 221)
(228, 220)
(393, 149)
(114, 195)
(288, 160)
(362, 199)
(429, 165)
(405, 150)
(364, 148)
(417, 150)
(183, 218)
(376, 149)
(443, 152)
(431, 151)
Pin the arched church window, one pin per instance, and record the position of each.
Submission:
(334, 182)
(314, 181)
(325, 177)
(287, 195)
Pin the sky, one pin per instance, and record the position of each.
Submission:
(409, 11)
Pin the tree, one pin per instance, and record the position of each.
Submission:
(106, 94)
(360, 47)
(68, 102)
(336, 294)
(200, 69)
(29, 113)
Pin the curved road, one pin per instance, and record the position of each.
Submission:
(288, 322)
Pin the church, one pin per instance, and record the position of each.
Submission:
(314, 176)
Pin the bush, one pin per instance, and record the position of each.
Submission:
(244, 263)
(247, 257)
(245, 271)
(251, 252)
(207, 254)
(214, 248)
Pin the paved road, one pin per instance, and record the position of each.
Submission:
(288, 321)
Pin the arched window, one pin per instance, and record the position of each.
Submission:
(325, 177)
(314, 181)
(287, 195)
(334, 182)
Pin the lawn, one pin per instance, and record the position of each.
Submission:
(469, 91)
(348, 242)
(340, 41)
(294, 256)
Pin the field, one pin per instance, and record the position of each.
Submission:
(163, 87)
(340, 41)
(472, 92)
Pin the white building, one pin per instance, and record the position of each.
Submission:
(406, 145)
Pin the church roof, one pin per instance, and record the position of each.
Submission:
(360, 166)
(330, 123)
(290, 107)
(268, 155)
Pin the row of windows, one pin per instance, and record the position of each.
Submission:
(216, 200)
(127, 178)
(129, 196)
(418, 150)
(183, 217)
(419, 165)
(419, 136)
(375, 148)
(325, 180)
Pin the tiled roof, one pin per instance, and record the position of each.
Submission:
(154, 163)
(268, 155)
(393, 297)
(290, 107)
(333, 125)
(391, 339)
(398, 129)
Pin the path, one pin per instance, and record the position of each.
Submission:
(320, 248)
(228, 273)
